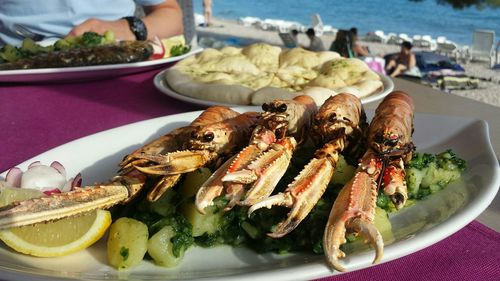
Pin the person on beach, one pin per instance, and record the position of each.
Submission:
(357, 49)
(207, 12)
(316, 44)
(60, 18)
(343, 44)
(403, 63)
(295, 36)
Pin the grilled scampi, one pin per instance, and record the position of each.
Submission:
(121, 52)
(340, 122)
(382, 166)
(264, 161)
(220, 133)
(207, 140)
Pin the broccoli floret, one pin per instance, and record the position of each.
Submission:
(382, 200)
(62, 44)
(178, 50)
(10, 53)
(421, 160)
(414, 178)
(89, 39)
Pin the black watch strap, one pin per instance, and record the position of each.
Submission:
(137, 27)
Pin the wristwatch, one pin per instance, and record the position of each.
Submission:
(137, 27)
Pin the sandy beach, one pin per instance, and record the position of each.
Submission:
(489, 80)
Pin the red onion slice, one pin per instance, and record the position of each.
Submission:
(14, 176)
(51, 191)
(34, 164)
(77, 181)
(59, 167)
(158, 48)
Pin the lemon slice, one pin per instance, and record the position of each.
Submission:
(59, 237)
(168, 43)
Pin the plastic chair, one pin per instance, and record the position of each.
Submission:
(288, 40)
(483, 44)
(317, 24)
(448, 48)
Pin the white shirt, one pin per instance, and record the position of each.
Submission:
(56, 18)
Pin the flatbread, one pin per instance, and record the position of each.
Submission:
(318, 94)
(268, 94)
(182, 83)
(261, 73)
(264, 56)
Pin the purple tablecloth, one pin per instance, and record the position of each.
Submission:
(36, 118)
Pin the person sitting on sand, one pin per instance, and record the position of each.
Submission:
(343, 44)
(403, 63)
(316, 44)
(357, 49)
(295, 36)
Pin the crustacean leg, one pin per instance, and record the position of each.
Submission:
(170, 142)
(206, 145)
(123, 187)
(390, 136)
(340, 121)
(213, 187)
(389, 140)
(282, 123)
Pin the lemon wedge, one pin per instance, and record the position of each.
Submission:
(59, 237)
(56, 238)
(168, 43)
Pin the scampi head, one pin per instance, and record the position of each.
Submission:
(391, 143)
(289, 117)
(340, 114)
(391, 128)
(214, 138)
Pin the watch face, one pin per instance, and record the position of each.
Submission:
(137, 27)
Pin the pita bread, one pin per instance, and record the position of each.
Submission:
(268, 94)
(261, 73)
(319, 94)
(265, 57)
(182, 83)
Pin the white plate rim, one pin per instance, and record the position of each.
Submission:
(161, 84)
(6, 74)
(319, 269)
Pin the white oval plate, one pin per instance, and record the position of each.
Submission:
(415, 227)
(162, 85)
(84, 73)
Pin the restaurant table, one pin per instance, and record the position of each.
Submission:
(35, 117)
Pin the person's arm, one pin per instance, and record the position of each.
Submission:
(163, 20)
(412, 62)
(360, 51)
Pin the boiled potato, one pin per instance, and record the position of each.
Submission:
(382, 223)
(160, 248)
(127, 243)
(343, 172)
(202, 223)
(193, 181)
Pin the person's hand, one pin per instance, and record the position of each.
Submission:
(120, 28)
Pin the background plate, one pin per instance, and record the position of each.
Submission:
(83, 73)
(162, 85)
(415, 228)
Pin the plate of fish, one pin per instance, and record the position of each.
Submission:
(67, 64)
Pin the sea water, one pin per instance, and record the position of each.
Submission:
(399, 16)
